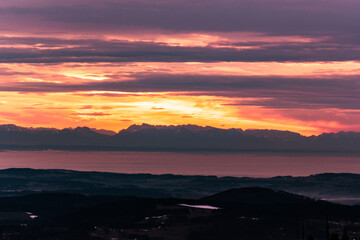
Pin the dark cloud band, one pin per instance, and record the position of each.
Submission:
(53, 50)
(274, 92)
(272, 16)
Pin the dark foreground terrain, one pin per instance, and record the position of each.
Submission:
(342, 188)
(243, 213)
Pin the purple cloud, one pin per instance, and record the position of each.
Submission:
(55, 50)
(273, 92)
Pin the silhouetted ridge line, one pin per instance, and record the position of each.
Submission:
(256, 195)
(147, 137)
(339, 187)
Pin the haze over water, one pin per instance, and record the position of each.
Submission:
(220, 164)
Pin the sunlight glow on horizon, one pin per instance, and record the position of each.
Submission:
(103, 67)
(62, 110)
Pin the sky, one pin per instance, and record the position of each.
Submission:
(265, 64)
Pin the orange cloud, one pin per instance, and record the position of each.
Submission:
(67, 110)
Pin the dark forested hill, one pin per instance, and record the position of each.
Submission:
(331, 186)
(242, 213)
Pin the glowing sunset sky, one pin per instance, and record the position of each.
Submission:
(274, 64)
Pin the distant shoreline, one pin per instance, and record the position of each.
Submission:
(89, 148)
(169, 174)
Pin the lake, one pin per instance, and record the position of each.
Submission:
(220, 164)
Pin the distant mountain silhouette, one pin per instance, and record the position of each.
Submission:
(174, 138)
(256, 195)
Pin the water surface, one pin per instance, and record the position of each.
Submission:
(220, 164)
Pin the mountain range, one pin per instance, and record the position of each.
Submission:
(174, 138)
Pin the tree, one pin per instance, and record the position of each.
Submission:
(334, 236)
(345, 236)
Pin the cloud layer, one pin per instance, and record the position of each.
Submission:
(56, 50)
(254, 63)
